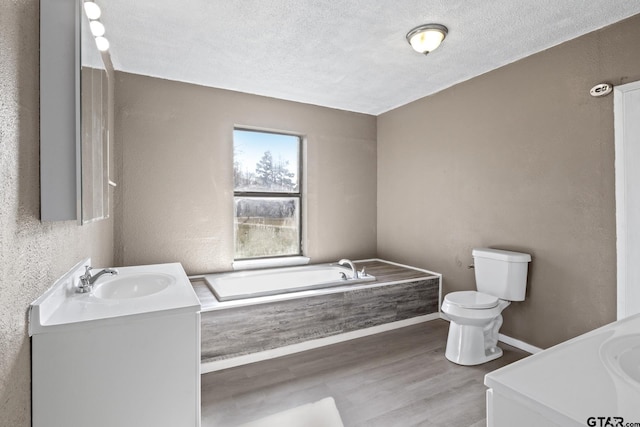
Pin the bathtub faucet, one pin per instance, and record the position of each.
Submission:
(87, 280)
(353, 267)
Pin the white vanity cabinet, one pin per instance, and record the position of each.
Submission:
(591, 380)
(108, 362)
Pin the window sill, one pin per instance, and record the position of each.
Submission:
(253, 264)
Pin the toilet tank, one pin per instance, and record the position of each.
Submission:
(501, 273)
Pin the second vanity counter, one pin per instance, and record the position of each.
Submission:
(573, 383)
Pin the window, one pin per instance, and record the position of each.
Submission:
(267, 194)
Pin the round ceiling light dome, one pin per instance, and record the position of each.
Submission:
(426, 38)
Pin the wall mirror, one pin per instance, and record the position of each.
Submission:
(94, 125)
(74, 116)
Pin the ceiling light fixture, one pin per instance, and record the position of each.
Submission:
(426, 38)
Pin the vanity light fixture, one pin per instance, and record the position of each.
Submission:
(93, 12)
(426, 38)
(102, 43)
(97, 29)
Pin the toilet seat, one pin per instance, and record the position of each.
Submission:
(472, 300)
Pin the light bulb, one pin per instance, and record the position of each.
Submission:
(426, 41)
(97, 29)
(92, 10)
(102, 43)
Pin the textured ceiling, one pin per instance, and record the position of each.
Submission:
(351, 55)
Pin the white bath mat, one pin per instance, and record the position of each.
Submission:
(322, 413)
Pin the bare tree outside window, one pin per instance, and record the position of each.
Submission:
(266, 170)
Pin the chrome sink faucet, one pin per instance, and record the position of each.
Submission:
(87, 280)
(350, 264)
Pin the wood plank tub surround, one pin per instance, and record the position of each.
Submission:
(238, 328)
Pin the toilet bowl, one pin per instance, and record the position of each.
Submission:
(475, 316)
(473, 332)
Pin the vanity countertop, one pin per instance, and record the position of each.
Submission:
(61, 306)
(580, 378)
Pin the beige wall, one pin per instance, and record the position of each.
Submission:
(175, 198)
(32, 254)
(520, 158)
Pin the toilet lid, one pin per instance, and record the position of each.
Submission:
(471, 299)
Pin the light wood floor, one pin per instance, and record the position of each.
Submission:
(397, 378)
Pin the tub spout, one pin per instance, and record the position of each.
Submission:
(350, 264)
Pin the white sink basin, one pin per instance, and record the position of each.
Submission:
(133, 286)
(621, 355)
(142, 291)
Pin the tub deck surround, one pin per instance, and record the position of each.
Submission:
(238, 328)
(385, 272)
(276, 281)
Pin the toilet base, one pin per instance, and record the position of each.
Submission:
(470, 345)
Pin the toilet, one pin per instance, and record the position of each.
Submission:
(475, 316)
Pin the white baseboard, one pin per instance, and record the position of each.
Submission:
(519, 344)
(309, 345)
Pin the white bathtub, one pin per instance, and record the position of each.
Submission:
(257, 283)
